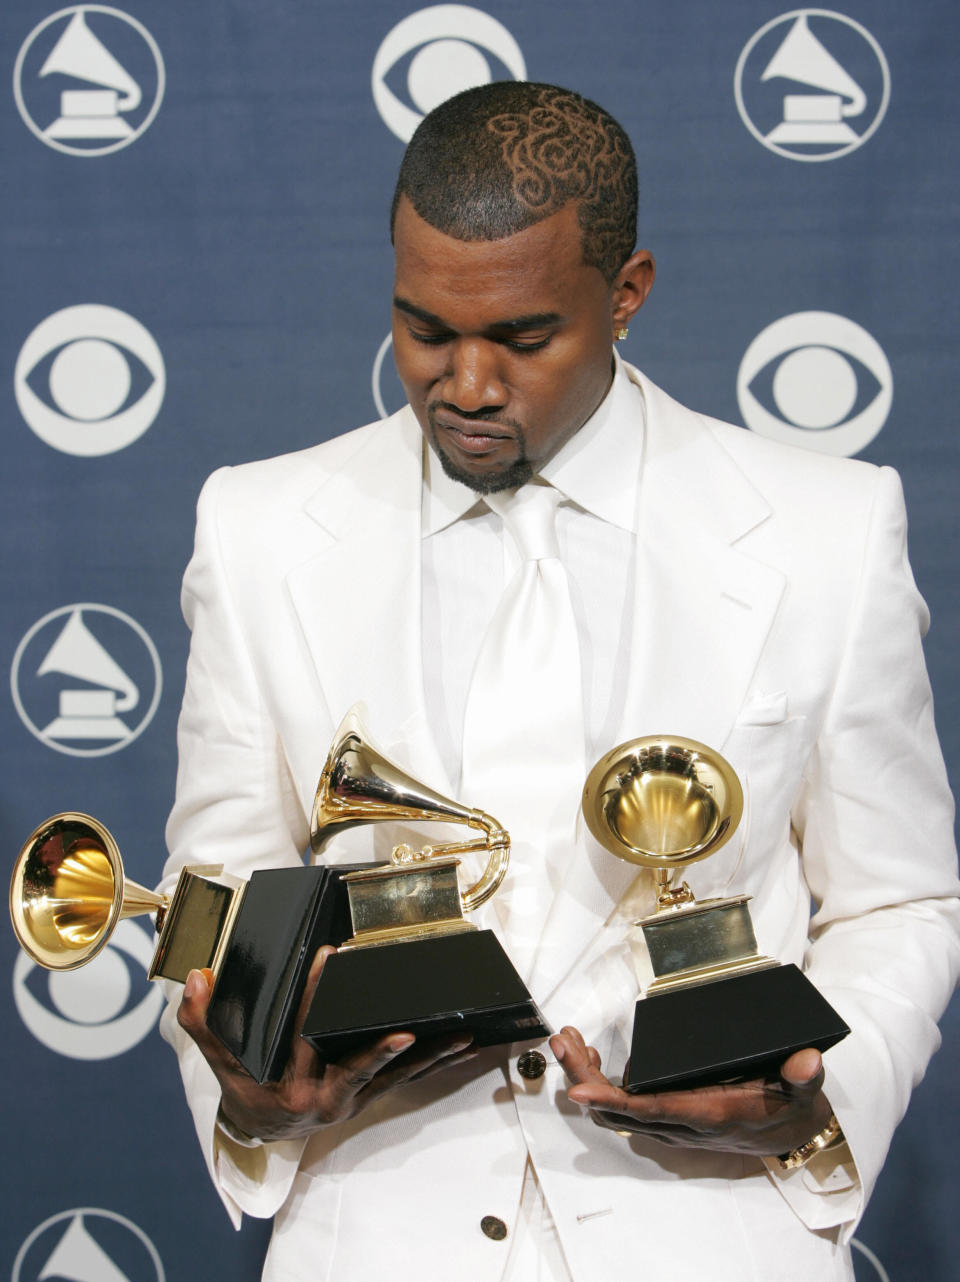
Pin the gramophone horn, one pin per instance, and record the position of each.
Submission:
(662, 801)
(68, 892)
(360, 785)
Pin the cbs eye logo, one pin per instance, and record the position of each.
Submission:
(388, 393)
(816, 380)
(94, 1012)
(441, 51)
(875, 1273)
(89, 380)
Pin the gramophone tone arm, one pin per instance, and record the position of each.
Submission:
(496, 841)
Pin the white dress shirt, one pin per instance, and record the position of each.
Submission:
(466, 563)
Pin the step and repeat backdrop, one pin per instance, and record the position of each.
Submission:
(196, 270)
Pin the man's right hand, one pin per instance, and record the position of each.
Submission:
(311, 1093)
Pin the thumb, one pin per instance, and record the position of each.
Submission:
(192, 1015)
(802, 1073)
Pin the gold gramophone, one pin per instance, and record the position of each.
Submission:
(68, 891)
(413, 961)
(416, 895)
(716, 1009)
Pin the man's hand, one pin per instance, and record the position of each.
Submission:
(762, 1117)
(311, 1094)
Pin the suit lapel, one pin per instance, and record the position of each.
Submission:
(703, 608)
(703, 605)
(358, 599)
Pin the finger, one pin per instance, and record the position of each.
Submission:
(602, 1095)
(362, 1066)
(803, 1072)
(450, 1060)
(419, 1061)
(580, 1062)
(702, 1109)
(673, 1136)
(192, 1012)
(194, 1001)
(303, 1059)
(192, 1017)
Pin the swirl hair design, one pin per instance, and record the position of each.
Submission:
(495, 160)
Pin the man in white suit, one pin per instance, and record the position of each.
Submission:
(725, 589)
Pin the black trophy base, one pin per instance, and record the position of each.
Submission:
(286, 915)
(454, 983)
(728, 1030)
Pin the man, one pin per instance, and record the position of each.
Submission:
(721, 588)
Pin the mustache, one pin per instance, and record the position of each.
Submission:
(484, 415)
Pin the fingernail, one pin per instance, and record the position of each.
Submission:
(461, 1045)
(398, 1044)
(193, 986)
(558, 1050)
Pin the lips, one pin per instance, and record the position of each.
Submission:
(471, 435)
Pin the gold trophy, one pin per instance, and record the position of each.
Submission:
(716, 1009)
(68, 891)
(425, 965)
(413, 961)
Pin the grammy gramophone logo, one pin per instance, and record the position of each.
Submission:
(88, 80)
(812, 85)
(86, 680)
(88, 1244)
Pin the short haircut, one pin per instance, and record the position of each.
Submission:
(494, 160)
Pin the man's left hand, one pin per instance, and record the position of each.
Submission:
(763, 1117)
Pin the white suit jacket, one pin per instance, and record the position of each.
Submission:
(777, 620)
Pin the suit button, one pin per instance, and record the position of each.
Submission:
(494, 1227)
(531, 1065)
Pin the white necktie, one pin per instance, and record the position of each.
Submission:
(523, 743)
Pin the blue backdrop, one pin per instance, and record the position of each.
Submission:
(196, 270)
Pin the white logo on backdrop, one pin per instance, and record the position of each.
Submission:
(118, 668)
(878, 1270)
(453, 44)
(80, 1246)
(88, 80)
(90, 1015)
(103, 374)
(388, 393)
(823, 400)
(845, 79)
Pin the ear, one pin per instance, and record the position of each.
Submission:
(631, 286)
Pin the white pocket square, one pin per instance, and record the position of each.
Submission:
(764, 709)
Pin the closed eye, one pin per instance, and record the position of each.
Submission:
(521, 345)
(433, 339)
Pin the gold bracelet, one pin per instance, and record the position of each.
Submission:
(831, 1134)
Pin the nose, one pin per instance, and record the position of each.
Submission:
(473, 380)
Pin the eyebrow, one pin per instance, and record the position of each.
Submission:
(533, 321)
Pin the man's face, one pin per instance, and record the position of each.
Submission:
(503, 347)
